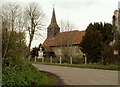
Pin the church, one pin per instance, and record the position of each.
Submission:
(62, 44)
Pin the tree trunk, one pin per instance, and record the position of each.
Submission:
(30, 43)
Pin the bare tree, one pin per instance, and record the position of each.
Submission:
(10, 14)
(66, 40)
(66, 26)
(34, 18)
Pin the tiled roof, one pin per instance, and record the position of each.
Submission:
(49, 42)
(65, 38)
(69, 37)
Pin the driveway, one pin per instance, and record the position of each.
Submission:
(81, 76)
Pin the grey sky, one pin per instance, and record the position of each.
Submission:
(119, 4)
(79, 12)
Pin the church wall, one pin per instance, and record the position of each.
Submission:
(73, 51)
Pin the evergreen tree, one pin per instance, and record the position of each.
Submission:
(34, 51)
(92, 43)
(96, 38)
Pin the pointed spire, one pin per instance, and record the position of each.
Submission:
(53, 20)
(53, 26)
(53, 5)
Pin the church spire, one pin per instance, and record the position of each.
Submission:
(53, 28)
(53, 20)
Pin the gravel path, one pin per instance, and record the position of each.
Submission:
(82, 76)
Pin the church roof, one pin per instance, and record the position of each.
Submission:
(65, 38)
(69, 38)
(49, 42)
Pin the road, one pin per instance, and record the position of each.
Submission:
(82, 76)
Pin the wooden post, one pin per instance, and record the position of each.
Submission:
(71, 60)
(35, 58)
(85, 60)
(60, 60)
(102, 60)
(51, 59)
(43, 60)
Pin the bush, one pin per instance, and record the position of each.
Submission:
(78, 60)
(56, 60)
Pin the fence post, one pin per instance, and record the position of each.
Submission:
(71, 60)
(51, 59)
(35, 58)
(60, 60)
(43, 60)
(85, 60)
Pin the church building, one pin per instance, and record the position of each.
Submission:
(62, 43)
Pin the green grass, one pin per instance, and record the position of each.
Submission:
(90, 66)
(25, 75)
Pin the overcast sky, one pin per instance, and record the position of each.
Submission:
(79, 12)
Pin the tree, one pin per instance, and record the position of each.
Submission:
(10, 16)
(116, 22)
(66, 45)
(108, 36)
(96, 38)
(119, 48)
(66, 40)
(13, 40)
(34, 18)
(66, 26)
(108, 55)
(10, 13)
(91, 43)
(34, 52)
(107, 32)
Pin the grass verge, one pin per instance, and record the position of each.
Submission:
(26, 75)
(90, 66)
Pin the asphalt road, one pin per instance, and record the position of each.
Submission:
(82, 76)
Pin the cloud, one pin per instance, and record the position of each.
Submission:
(119, 4)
